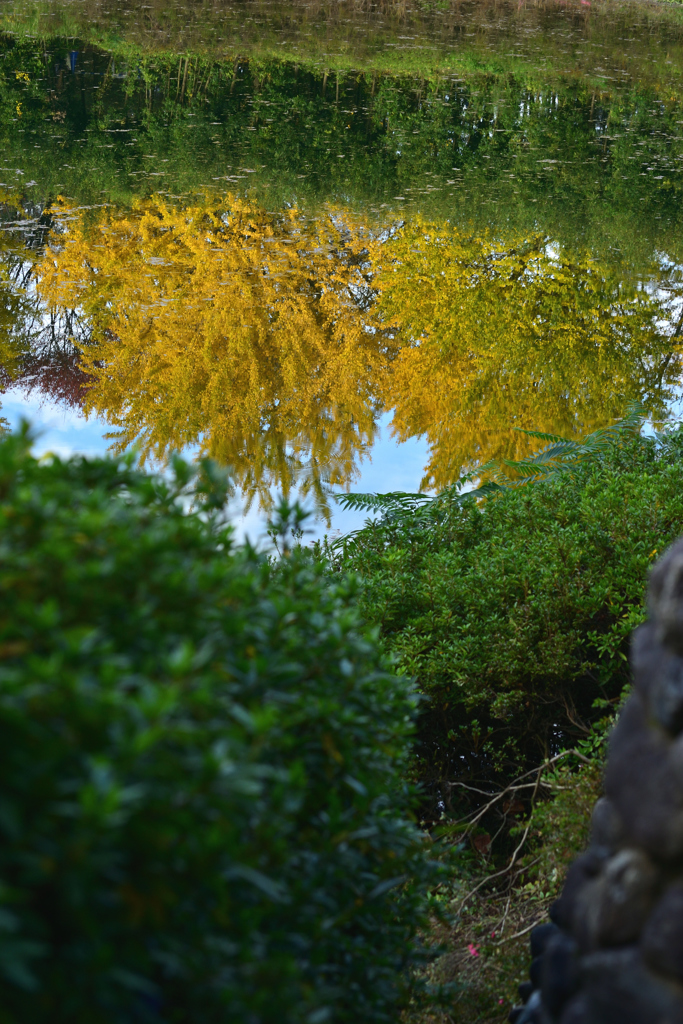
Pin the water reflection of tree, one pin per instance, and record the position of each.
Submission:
(231, 329)
(272, 342)
(40, 349)
(497, 335)
(51, 367)
(596, 164)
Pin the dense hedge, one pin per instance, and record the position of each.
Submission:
(202, 815)
(514, 616)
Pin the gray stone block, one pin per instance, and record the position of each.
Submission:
(639, 780)
(607, 827)
(662, 938)
(615, 955)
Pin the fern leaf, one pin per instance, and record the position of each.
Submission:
(538, 435)
(559, 456)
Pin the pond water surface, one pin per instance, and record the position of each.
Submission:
(338, 245)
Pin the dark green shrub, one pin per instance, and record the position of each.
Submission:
(202, 816)
(514, 616)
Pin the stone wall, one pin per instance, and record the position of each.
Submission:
(613, 951)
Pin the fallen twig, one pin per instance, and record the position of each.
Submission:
(518, 935)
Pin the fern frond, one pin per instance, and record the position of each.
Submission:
(548, 458)
(561, 455)
(379, 502)
(538, 435)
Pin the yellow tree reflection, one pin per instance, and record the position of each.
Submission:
(229, 328)
(272, 341)
(517, 334)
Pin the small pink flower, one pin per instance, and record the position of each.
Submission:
(493, 935)
(501, 1001)
(474, 951)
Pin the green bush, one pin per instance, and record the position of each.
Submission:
(514, 616)
(202, 815)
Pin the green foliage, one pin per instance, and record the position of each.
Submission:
(488, 948)
(203, 815)
(493, 910)
(560, 826)
(560, 455)
(426, 508)
(514, 616)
